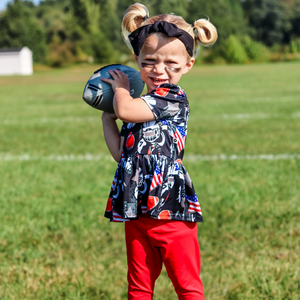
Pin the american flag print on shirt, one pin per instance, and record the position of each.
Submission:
(194, 205)
(157, 178)
(180, 137)
(180, 94)
(118, 218)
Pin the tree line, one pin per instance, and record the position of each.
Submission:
(62, 32)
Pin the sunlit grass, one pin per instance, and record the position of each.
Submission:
(55, 242)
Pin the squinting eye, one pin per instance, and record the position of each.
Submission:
(147, 64)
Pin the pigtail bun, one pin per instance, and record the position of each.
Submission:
(134, 17)
(205, 32)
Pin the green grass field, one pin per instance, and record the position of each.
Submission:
(242, 152)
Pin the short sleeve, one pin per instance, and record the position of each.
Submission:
(166, 101)
(122, 132)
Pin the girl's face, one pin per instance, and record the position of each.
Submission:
(163, 60)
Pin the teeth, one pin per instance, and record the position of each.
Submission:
(159, 80)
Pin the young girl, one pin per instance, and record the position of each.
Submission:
(151, 188)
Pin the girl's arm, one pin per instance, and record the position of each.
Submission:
(112, 136)
(128, 109)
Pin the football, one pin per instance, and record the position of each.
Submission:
(99, 94)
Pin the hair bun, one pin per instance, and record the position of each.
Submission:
(135, 15)
(205, 32)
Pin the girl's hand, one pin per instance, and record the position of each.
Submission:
(108, 115)
(120, 80)
(127, 109)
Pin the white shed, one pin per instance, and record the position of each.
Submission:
(16, 61)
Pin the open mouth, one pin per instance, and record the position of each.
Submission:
(158, 81)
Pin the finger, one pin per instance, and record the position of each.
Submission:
(115, 74)
(124, 75)
(107, 80)
(120, 73)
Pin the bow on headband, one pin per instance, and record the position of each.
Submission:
(138, 37)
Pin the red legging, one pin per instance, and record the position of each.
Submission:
(152, 242)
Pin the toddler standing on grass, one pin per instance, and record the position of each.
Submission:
(152, 191)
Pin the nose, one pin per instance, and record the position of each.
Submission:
(159, 68)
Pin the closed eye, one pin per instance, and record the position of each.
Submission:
(148, 62)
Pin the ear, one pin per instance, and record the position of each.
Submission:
(136, 58)
(188, 65)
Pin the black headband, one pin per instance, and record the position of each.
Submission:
(138, 37)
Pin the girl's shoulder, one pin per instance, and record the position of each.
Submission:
(167, 101)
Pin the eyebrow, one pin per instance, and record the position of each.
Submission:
(146, 63)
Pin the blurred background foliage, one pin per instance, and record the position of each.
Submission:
(64, 32)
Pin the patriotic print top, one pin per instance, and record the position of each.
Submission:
(150, 177)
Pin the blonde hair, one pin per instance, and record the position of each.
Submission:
(202, 31)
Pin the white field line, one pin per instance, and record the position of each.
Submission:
(66, 157)
(249, 116)
(93, 119)
(226, 157)
(260, 116)
(51, 120)
(296, 114)
(92, 157)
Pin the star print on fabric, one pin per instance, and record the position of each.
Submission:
(173, 108)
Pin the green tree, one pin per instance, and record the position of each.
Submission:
(155, 7)
(226, 15)
(74, 33)
(109, 22)
(56, 17)
(94, 40)
(19, 27)
(255, 51)
(80, 13)
(178, 7)
(273, 21)
(292, 19)
(265, 17)
(234, 51)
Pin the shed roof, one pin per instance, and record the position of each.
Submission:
(10, 50)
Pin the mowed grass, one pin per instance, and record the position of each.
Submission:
(56, 174)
